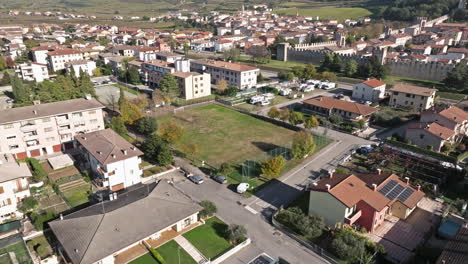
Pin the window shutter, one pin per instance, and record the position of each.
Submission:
(1, 189)
(9, 201)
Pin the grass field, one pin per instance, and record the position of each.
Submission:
(225, 135)
(145, 259)
(327, 13)
(77, 196)
(272, 65)
(170, 252)
(208, 238)
(20, 250)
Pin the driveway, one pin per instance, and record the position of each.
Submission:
(109, 94)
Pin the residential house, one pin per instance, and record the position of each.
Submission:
(372, 90)
(327, 106)
(235, 74)
(41, 129)
(14, 186)
(39, 54)
(33, 71)
(418, 98)
(114, 160)
(169, 56)
(102, 232)
(429, 135)
(193, 85)
(79, 66)
(450, 117)
(153, 71)
(58, 59)
(400, 39)
(455, 249)
(362, 200)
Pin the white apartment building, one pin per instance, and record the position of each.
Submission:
(41, 129)
(81, 66)
(153, 71)
(193, 85)
(371, 90)
(14, 186)
(410, 96)
(33, 72)
(114, 161)
(58, 59)
(39, 54)
(235, 74)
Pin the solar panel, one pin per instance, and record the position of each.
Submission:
(395, 192)
(406, 194)
(388, 187)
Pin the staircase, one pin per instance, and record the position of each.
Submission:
(72, 184)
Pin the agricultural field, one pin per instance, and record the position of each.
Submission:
(225, 135)
(327, 13)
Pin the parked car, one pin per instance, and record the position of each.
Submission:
(309, 88)
(268, 96)
(256, 99)
(219, 179)
(338, 96)
(264, 102)
(364, 150)
(284, 91)
(196, 179)
(328, 85)
(10, 101)
(242, 187)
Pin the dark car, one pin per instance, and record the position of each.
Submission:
(196, 179)
(219, 179)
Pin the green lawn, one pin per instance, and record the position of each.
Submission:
(208, 238)
(170, 253)
(225, 135)
(145, 259)
(327, 13)
(272, 65)
(78, 195)
(20, 250)
(451, 96)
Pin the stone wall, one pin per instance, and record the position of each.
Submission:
(420, 70)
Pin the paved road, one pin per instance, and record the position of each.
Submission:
(254, 213)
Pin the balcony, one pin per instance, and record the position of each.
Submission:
(22, 189)
(350, 220)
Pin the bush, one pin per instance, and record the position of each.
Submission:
(209, 208)
(157, 256)
(39, 174)
(335, 119)
(308, 226)
(348, 245)
(236, 234)
(147, 125)
(341, 170)
(28, 204)
(39, 220)
(225, 169)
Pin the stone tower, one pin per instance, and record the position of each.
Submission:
(462, 4)
(282, 51)
(422, 22)
(340, 39)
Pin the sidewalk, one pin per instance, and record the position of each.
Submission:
(191, 250)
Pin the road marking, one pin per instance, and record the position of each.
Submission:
(307, 164)
(250, 209)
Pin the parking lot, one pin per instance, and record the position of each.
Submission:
(109, 94)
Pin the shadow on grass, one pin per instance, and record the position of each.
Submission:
(264, 146)
(221, 229)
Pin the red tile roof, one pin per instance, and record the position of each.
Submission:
(454, 113)
(413, 89)
(434, 129)
(373, 83)
(63, 52)
(332, 103)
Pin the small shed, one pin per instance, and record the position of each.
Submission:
(60, 162)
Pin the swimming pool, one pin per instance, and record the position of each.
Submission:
(448, 228)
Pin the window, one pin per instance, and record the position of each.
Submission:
(76, 115)
(1, 190)
(395, 93)
(92, 112)
(11, 137)
(12, 147)
(421, 136)
(408, 95)
(50, 139)
(93, 121)
(45, 120)
(48, 129)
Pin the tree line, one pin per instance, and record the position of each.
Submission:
(350, 68)
(408, 10)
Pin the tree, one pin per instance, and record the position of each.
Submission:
(21, 91)
(236, 233)
(86, 86)
(157, 150)
(22, 57)
(309, 72)
(130, 113)
(168, 86)
(329, 76)
(133, 76)
(296, 118)
(225, 169)
(458, 78)
(3, 64)
(5, 79)
(191, 149)
(10, 62)
(186, 49)
(311, 122)
(303, 144)
(361, 123)
(349, 246)
(231, 91)
(260, 78)
(271, 168)
(335, 119)
(147, 125)
(274, 112)
(103, 41)
(171, 132)
(97, 72)
(28, 204)
(310, 226)
(222, 85)
(284, 114)
(232, 54)
(350, 68)
(259, 53)
(337, 64)
(209, 208)
(118, 125)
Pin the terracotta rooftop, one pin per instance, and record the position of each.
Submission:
(413, 89)
(332, 103)
(455, 251)
(63, 52)
(454, 113)
(226, 65)
(373, 83)
(433, 128)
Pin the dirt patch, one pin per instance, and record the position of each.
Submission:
(55, 175)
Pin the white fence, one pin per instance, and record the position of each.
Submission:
(231, 252)
(154, 176)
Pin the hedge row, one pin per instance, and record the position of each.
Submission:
(38, 172)
(157, 256)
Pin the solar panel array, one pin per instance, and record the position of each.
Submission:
(393, 189)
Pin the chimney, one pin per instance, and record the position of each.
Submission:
(315, 184)
(84, 138)
(328, 186)
(374, 186)
(379, 171)
(124, 151)
(132, 147)
(407, 180)
(35, 112)
(330, 173)
(61, 216)
(113, 156)
(419, 187)
(99, 152)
